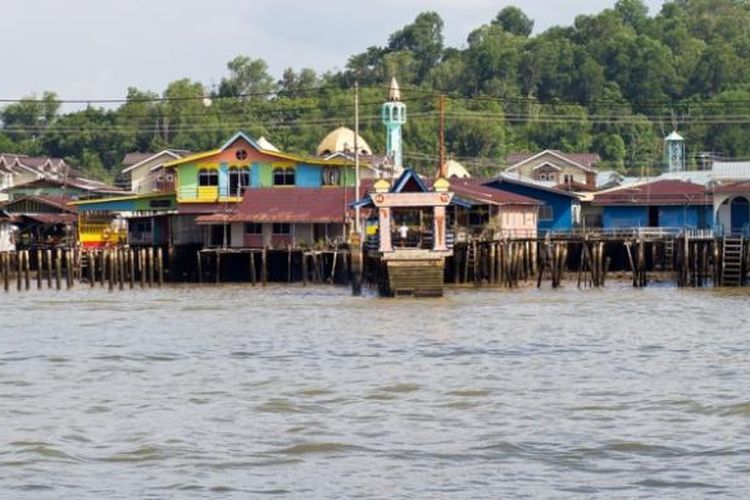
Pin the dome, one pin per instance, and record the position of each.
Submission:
(454, 169)
(341, 140)
(264, 143)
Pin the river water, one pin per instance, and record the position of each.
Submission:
(308, 392)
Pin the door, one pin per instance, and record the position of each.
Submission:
(740, 214)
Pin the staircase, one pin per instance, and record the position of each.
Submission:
(731, 270)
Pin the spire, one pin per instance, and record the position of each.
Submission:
(394, 93)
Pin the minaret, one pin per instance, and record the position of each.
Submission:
(674, 152)
(394, 117)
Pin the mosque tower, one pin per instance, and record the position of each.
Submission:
(394, 117)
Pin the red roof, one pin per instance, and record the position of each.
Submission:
(303, 205)
(475, 190)
(735, 187)
(50, 219)
(665, 192)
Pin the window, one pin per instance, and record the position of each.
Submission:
(331, 176)
(241, 154)
(282, 228)
(208, 177)
(545, 213)
(239, 179)
(568, 179)
(283, 176)
(253, 228)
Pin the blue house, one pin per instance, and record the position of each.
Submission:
(672, 204)
(560, 210)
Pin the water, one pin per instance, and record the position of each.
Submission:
(308, 392)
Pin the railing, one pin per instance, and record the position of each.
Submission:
(423, 240)
(632, 233)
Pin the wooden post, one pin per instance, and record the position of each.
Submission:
(111, 270)
(160, 265)
(68, 269)
(263, 266)
(304, 269)
(355, 257)
(6, 270)
(142, 266)
(19, 270)
(49, 268)
(131, 267)
(218, 266)
(39, 269)
(91, 262)
(58, 269)
(150, 266)
(253, 278)
(199, 257)
(289, 264)
(26, 270)
(121, 267)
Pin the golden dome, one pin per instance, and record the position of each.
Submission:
(454, 169)
(341, 140)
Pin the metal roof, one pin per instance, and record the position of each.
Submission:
(730, 170)
(660, 192)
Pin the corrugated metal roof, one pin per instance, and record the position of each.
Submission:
(730, 170)
(476, 191)
(662, 192)
(303, 205)
(588, 160)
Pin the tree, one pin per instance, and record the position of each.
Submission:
(27, 118)
(513, 20)
(424, 38)
(247, 78)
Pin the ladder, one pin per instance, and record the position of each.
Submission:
(669, 255)
(471, 261)
(731, 269)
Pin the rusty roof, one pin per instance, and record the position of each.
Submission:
(476, 191)
(665, 192)
(734, 187)
(289, 205)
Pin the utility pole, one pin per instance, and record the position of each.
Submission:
(357, 180)
(441, 152)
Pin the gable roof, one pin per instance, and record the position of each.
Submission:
(403, 180)
(529, 183)
(585, 161)
(175, 155)
(276, 154)
(56, 202)
(661, 192)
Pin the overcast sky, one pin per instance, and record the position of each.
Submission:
(86, 49)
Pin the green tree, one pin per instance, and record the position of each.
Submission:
(515, 21)
(424, 39)
(248, 78)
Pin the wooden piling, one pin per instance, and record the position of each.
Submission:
(304, 268)
(131, 267)
(160, 266)
(253, 277)
(39, 269)
(264, 266)
(26, 270)
(151, 267)
(58, 269)
(49, 268)
(6, 270)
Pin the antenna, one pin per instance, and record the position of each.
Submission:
(441, 152)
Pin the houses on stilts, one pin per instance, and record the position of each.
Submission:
(248, 212)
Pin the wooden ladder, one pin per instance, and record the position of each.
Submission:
(731, 269)
(669, 255)
(471, 261)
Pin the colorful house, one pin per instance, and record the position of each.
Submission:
(673, 204)
(558, 210)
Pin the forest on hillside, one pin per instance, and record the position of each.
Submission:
(614, 83)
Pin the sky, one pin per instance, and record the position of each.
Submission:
(96, 49)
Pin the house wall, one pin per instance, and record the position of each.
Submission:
(6, 240)
(516, 220)
(614, 217)
(693, 217)
(562, 205)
